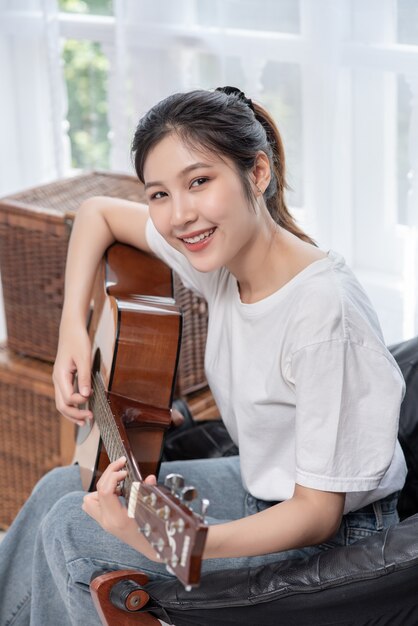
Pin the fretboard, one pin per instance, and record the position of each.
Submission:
(109, 432)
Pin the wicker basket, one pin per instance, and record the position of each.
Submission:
(34, 230)
(191, 376)
(34, 438)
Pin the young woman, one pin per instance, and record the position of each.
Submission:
(295, 359)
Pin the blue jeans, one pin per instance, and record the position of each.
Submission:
(52, 548)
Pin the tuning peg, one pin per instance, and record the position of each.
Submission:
(178, 526)
(159, 545)
(146, 530)
(204, 506)
(164, 512)
(150, 499)
(188, 493)
(174, 482)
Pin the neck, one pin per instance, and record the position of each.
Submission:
(256, 269)
(274, 258)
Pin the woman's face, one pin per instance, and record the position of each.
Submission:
(197, 203)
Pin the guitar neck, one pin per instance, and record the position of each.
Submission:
(109, 432)
(171, 527)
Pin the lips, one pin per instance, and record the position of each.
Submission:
(198, 240)
(195, 238)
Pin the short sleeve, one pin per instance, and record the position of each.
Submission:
(191, 278)
(348, 399)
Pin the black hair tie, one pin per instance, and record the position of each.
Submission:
(241, 95)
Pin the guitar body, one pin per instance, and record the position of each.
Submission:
(135, 332)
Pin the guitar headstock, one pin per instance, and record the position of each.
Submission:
(176, 533)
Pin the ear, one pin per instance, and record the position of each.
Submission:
(261, 172)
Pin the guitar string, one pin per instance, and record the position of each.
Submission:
(110, 433)
(107, 427)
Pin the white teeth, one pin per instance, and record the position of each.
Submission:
(198, 237)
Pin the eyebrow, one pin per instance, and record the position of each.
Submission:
(186, 170)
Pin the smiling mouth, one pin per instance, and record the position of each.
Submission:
(200, 237)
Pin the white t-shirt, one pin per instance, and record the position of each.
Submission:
(303, 380)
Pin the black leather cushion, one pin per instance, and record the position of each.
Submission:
(406, 354)
(372, 582)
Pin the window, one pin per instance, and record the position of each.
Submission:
(341, 79)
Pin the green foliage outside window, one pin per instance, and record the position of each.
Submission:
(95, 7)
(86, 71)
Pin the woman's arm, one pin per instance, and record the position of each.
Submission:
(309, 517)
(99, 222)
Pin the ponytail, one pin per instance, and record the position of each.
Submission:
(275, 192)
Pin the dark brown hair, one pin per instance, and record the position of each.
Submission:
(225, 122)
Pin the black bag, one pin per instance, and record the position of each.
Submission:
(191, 440)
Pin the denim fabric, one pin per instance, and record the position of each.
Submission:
(17, 547)
(52, 549)
(366, 521)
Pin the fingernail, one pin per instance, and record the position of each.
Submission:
(85, 391)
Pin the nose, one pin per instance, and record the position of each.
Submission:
(182, 210)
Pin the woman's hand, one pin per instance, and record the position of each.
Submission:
(105, 507)
(73, 357)
(98, 223)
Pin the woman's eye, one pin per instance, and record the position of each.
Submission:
(158, 195)
(199, 181)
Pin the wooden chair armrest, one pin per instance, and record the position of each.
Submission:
(118, 596)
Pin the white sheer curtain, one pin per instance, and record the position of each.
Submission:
(331, 72)
(33, 104)
(33, 148)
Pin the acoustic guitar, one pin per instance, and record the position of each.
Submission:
(135, 330)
